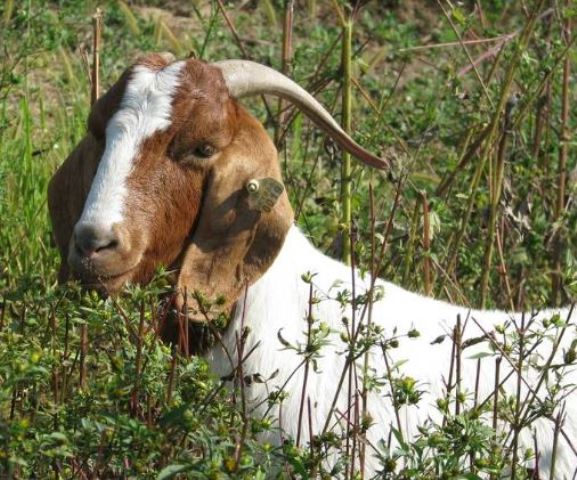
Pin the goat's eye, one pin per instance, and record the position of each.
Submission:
(205, 150)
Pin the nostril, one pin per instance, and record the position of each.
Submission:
(90, 239)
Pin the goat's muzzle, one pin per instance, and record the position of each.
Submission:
(102, 257)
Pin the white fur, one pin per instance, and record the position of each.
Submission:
(146, 108)
(279, 302)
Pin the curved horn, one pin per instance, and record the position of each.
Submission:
(245, 78)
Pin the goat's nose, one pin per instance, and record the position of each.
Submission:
(90, 239)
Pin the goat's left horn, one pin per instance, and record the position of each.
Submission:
(244, 78)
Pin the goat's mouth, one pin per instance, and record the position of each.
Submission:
(106, 277)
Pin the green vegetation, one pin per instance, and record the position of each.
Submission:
(469, 103)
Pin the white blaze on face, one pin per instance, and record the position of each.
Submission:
(146, 108)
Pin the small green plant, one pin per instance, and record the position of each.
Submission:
(471, 104)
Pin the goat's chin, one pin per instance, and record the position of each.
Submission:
(106, 277)
(105, 285)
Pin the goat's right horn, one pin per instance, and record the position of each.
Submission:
(244, 78)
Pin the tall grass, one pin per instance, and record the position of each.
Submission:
(478, 209)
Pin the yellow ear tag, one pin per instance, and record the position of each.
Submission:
(263, 193)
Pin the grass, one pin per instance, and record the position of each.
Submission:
(479, 209)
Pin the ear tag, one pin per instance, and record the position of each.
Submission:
(263, 193)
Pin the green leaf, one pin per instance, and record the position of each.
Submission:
(172, 470)
(459, 16)
(478, 355)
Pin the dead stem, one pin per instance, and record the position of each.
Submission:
(307, 364)
(138, 361)
(559, 419)
(496, 406)
(457, 339)
(516, 425)
(426, 245)
(96, 42)
(83, 354)
(565, 136)
(286, 61)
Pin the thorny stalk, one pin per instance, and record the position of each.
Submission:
(186, 327)
(2, 313)
(138, 362)
(457, 339)
(287, 37)
(240, 380)
(95, 72)
(346, 172)
(504, 271)
(370, 298)
(565, 137)
(55, 367)
(396, 408)
(558, 424)
(517, 425)
(426, 244)
(83, 354)
(449, 381)
(307, 364)
(496, 406)
(171, 375)
(410, 248)
(543, 109)
(352, 387)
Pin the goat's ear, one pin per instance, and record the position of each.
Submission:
(67, 192)
(241, 228)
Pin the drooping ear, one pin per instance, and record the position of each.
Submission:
(244, 219)
(67, 192)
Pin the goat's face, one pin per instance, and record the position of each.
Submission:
(161, 178)
(164, 140)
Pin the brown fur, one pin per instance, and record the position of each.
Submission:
(188, 213)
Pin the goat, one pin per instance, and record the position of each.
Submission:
(173, 171)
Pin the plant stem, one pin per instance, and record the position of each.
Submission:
(286, 62)
(496, 405)
(307, 365)
(410, 248)
(95, 74)
(426, 244)
(83, 353)
(558, 424)
(562, 166)
(346, 124)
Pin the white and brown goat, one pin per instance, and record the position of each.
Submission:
(166, 175)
